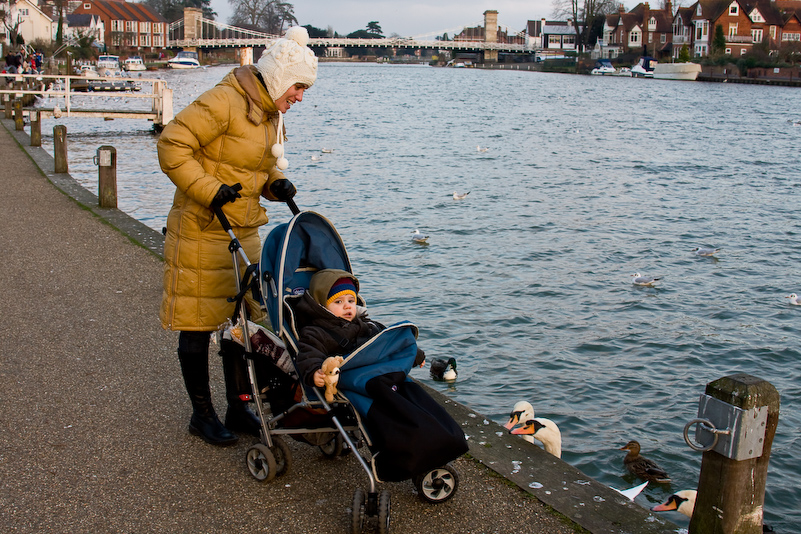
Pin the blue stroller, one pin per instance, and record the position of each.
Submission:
(406, 433)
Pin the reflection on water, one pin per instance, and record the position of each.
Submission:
(584, 181)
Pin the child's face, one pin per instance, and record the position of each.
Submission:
(344, 306)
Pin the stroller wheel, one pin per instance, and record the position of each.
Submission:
(333, 448)
(261, 462)
(437, 485)
(282, 455)
(383, 512)
(357, 512)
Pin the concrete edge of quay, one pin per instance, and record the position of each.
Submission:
(566, 490)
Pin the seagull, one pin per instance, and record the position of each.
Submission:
(480, 149)
(638, 280)
(315, 158)
(460, 196)
(417, 237)
(793, 299)
(631, 493)
(327, 150)
(705, 251)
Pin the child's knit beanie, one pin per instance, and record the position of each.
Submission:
(328, 284)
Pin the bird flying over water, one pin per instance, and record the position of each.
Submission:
(639, 280)
(460, 196)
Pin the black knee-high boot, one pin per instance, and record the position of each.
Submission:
(194, 357)
(238, 417)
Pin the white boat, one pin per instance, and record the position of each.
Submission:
(89, 71)
(184, 60)
(108, 65)
(134, 63)
(603, 67)
(677, 71)
(644, 68)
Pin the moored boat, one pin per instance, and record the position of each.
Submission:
(134, 63)
(108, 65)
(603, 67)
(644, 67)
(184, 60)
(677, 71)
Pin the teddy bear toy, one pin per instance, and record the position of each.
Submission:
(331, 371)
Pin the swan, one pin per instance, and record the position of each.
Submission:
(682, 501)
(523, 423)
(642, 467)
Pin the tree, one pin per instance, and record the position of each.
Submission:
(268, 16)
(374, 27)
(590, 13)
(719, 40)
(684, 53)
(316, 32)
(12, 25)
(363, 34)
(173, 10)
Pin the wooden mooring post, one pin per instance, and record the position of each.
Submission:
(7, 103)
(106, 161)
(60, 148)
(734, 468)
(19, 122)
(36, 128)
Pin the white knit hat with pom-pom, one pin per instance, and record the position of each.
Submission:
(287, 62)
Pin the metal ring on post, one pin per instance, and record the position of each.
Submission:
(710, 427)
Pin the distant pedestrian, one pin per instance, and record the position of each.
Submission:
(225, 149)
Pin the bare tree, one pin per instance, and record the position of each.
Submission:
(585, 14)
(11, 25)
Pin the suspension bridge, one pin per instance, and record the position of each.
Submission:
(194, 31)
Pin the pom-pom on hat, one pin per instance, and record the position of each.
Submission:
(341, 287)
(287, 62)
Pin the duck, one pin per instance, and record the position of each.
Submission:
(642, 467)
(442, 369)
(523, 423)
(682, 502)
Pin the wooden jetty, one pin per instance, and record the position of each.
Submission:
(63, 90)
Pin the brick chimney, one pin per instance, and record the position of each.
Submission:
(669, 8)
(621, 9)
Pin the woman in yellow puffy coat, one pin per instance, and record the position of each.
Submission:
(225, 149)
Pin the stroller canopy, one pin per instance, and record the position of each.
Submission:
(292, 253)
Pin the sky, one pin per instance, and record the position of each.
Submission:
(410, 18)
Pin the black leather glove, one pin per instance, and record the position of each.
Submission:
(225, 194)
(420, 358)
(283, 189)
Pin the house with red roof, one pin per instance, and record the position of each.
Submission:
(644, 30)
(129, 27)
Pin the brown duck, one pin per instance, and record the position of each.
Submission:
(642, 467)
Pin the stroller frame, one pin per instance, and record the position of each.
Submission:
(271, 457)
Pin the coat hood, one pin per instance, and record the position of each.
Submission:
(322, 281)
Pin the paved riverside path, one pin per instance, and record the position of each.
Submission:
(93, 412)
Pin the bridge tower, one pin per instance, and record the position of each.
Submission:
(192, 25)
(490, 34)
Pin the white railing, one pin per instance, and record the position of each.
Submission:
(63, 87)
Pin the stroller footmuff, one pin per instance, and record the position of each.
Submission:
(409, 436)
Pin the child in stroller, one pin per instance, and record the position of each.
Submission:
(409, 435)
(332, 323)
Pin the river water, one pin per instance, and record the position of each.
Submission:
(526, 282)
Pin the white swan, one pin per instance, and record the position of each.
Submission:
(682, 501)
(523, 423)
